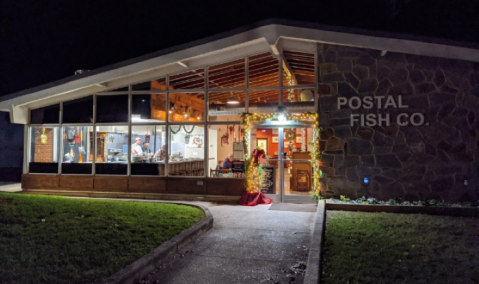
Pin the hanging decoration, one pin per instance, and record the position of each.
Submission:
(188, 132)
(77, 135)
(173, 131)
(282, 115)
(43, 137)
(147, 136)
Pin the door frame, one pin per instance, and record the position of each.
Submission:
(282, 197)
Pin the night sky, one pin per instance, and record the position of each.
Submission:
(43, 41)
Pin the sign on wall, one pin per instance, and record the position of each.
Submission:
(380, 119)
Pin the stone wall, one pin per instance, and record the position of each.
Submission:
(438, 159)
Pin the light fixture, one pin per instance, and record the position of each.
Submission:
(232, 100)
(366, 180)
(281, 117)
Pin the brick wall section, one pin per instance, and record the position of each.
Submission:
(43, 152)
(409, 162)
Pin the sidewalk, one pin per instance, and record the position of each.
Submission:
(10, 187)
(246, 245)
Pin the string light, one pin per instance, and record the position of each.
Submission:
(254, 172)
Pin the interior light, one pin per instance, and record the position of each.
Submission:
(281, 117)
(232, 100)
(263, 130)
(142, 101)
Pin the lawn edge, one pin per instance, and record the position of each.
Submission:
(443, 211)
(146, 264)
(313, 266)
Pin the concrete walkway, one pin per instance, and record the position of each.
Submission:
(10, 187)
(246, 245)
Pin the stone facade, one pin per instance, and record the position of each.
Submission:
(437, 158)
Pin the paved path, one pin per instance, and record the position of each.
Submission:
(246, 245)
(10, 187)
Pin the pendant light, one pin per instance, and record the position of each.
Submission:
(232, 100)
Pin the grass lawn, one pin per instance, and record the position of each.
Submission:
(45, 239)
(400, 248)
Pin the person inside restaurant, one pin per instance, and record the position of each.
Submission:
(160, 155)
(227, 163)
(136, 147)
(146, 148)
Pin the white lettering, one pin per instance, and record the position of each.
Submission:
(390, 102)
(342, 101)
(383, 119)
(379, 100)
(413, 120)
(371, 119)
(358, 103)
(400, 103)
(354, 119)
(368, 102)
(402, 121)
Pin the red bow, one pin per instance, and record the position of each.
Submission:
(258, 153)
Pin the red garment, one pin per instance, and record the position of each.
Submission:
(253, 199)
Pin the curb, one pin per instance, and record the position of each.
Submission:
(313, 268)
(141, 267)
(443, 211)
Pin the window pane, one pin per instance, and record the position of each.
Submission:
(298, 68)
(112, 108)
(111, 149)
(43, 150)
(186, 150)
(194, 79)
(148, 150)
(299, 100)
(148, 108)
(78, 111)
(226, 140)
(44, 115)
(76, 149)
(158, 84)
(186, 107)
(226, 106)
(263, 70)
(227, 75)
(264, 101)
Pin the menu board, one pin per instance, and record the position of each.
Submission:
(238, 167)
(269, 179)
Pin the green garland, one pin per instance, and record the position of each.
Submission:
(184, 127)
(248, 118)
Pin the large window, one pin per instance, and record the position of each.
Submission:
(43, 150)
(186, 150)
(111, 149)
(182, 117)
(77, 149)
(148, 150)
(226, 151)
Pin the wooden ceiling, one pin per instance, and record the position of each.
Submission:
(263, 72)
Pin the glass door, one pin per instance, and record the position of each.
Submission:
(288, 171)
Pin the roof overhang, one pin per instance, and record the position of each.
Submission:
(272, 37)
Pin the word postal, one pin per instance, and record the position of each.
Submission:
(380, 119)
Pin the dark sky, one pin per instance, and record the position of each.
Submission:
(42, 41)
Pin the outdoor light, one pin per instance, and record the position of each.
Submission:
(232, 100)
(366, 181)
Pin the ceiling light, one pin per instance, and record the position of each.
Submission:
(232, 100)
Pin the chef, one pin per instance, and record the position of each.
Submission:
(136, 147)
